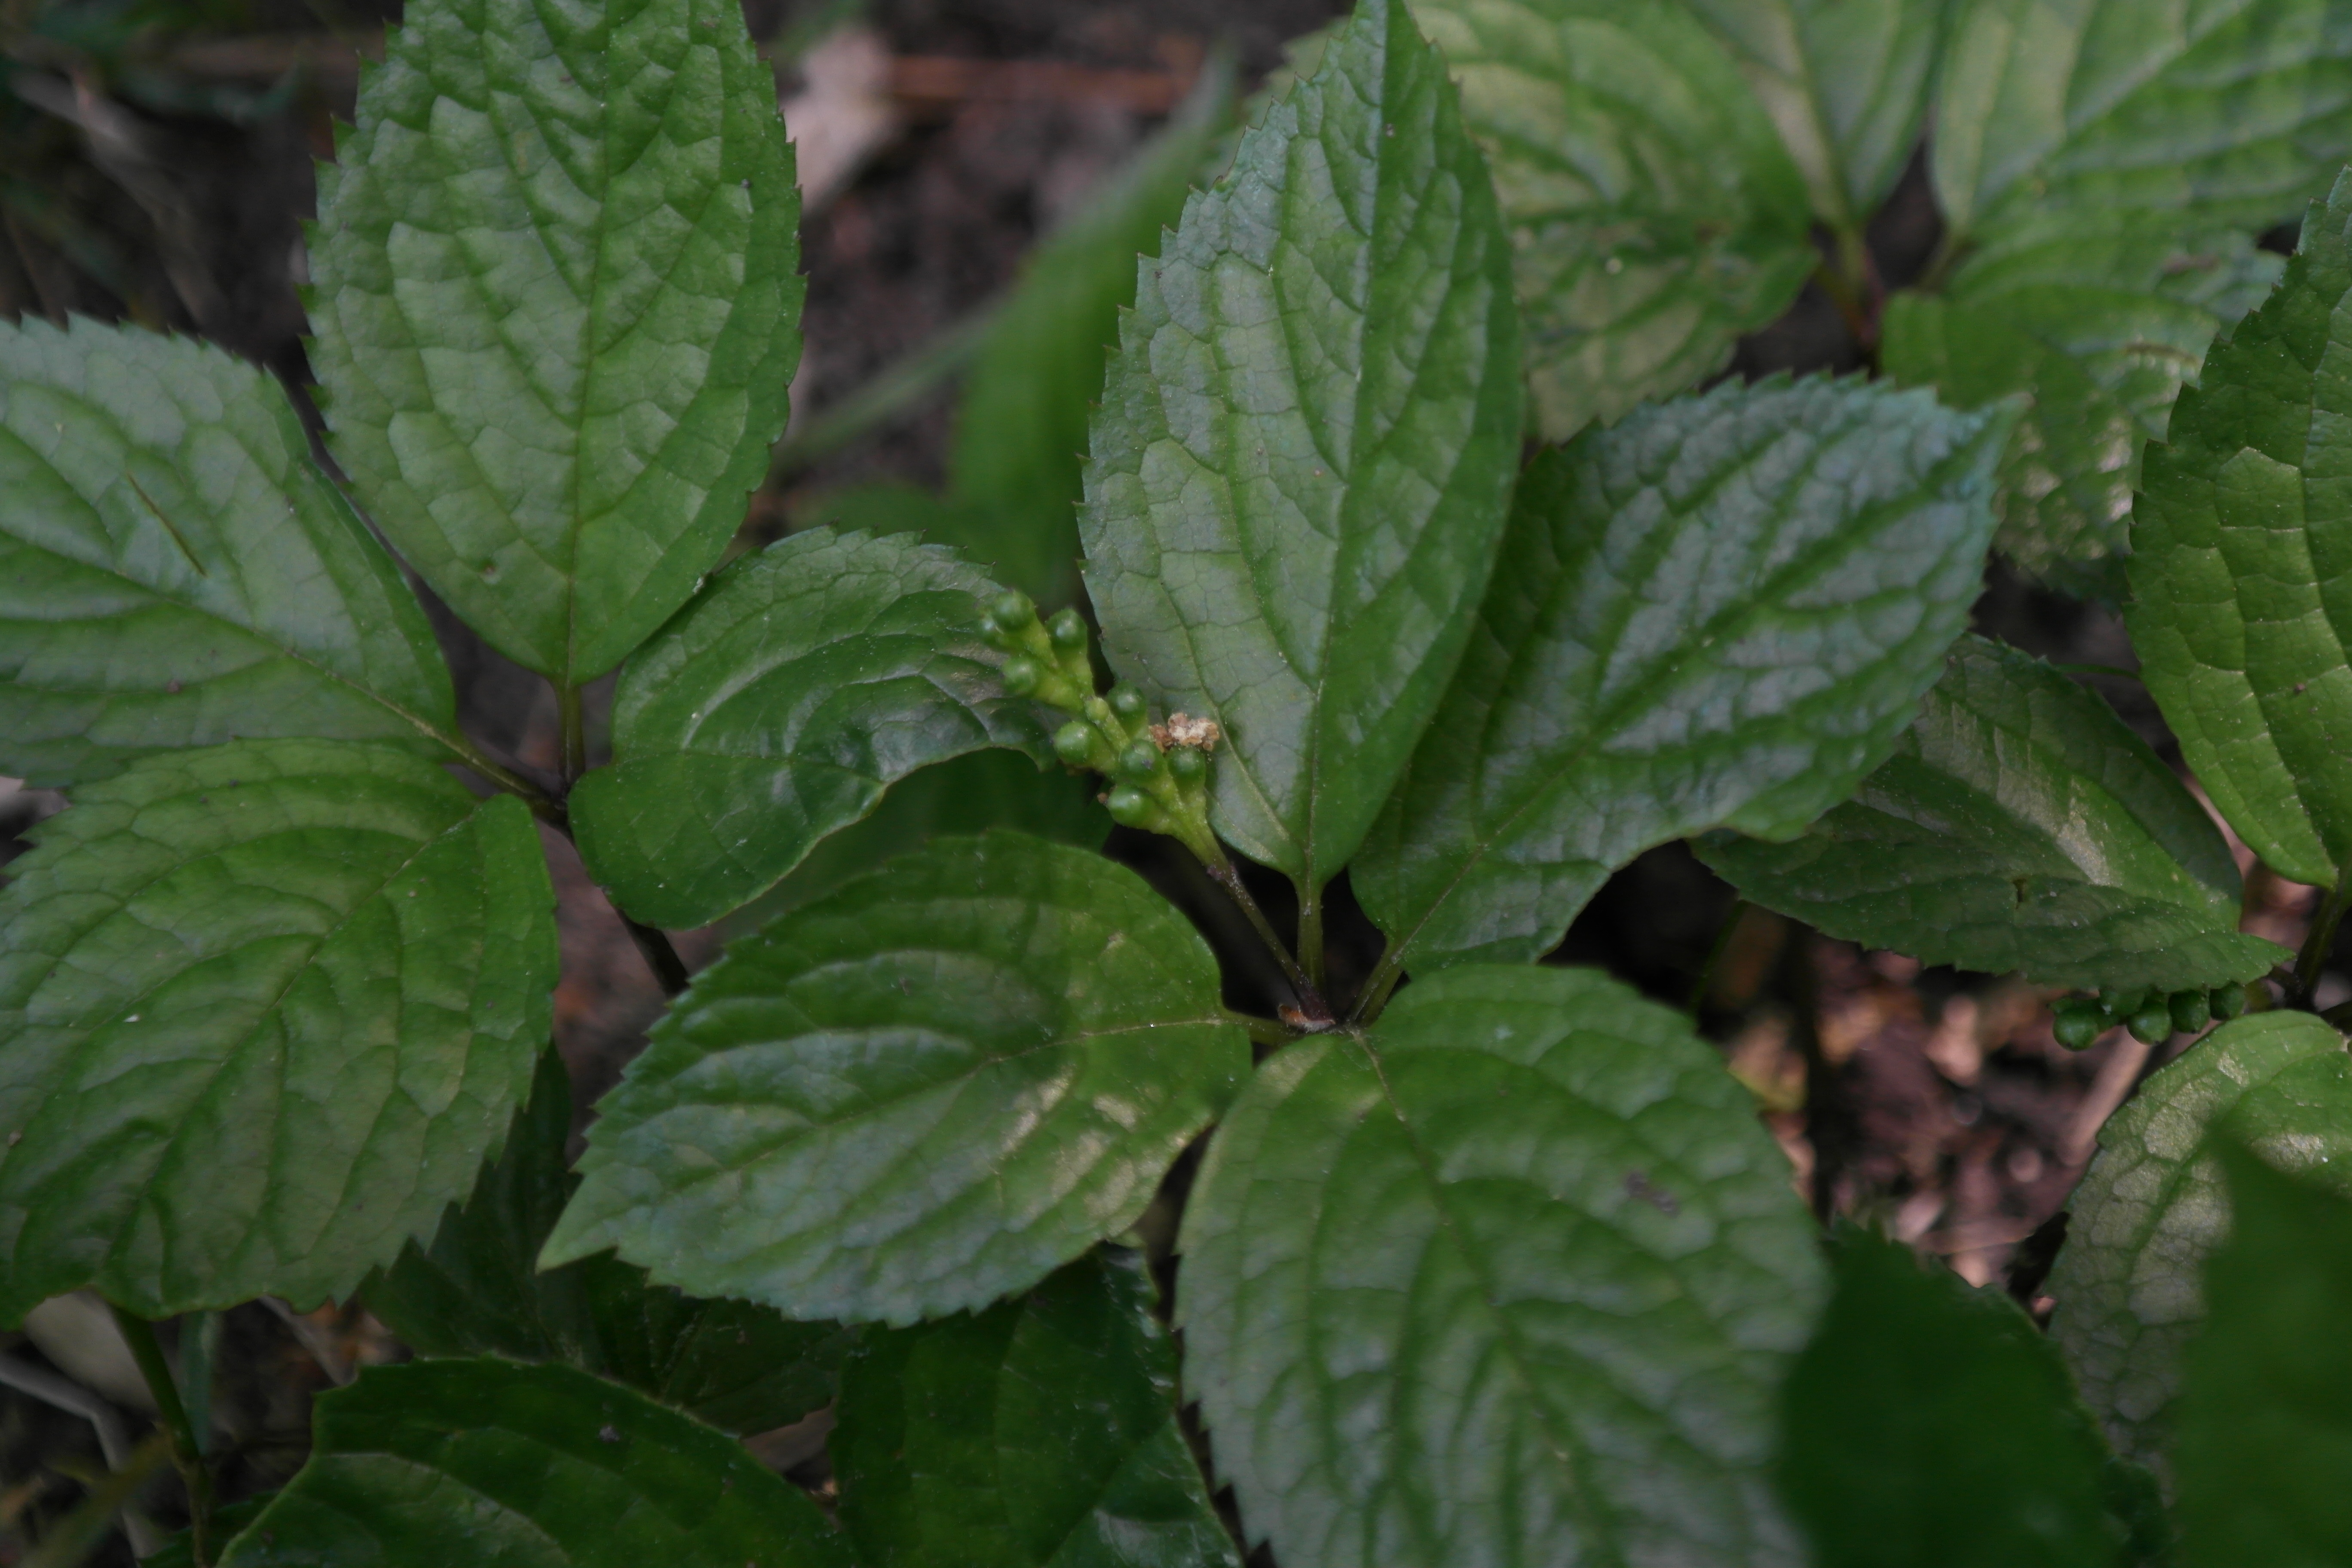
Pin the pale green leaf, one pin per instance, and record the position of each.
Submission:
(924, 1092)
(1042, 1431)
(2019, 825)
(1305, 451)
(1721, 613)
(2231, 112)
(1845, 81)
(778, 708)
(2100, 327)
(439, 1464)
(556, 303)
(175, 571)
(1514, 1279)
(1654, 216)
(2240, 539)
(2153, 1207)
(264, 1008)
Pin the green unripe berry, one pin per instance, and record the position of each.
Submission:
(2190, 1011)
(1068, 631)
(2125, 1001)
(2078, 1022)
(1140, 762)
(1189, 764)
(1012, 612)
(1126, 703)
(2152, 1023)
(1074, 742)
(1022, 675)
(2228, 1001)
(1130, 807)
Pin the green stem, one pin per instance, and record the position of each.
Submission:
(1310, 996)
(187, 1452)
(507, 781)
(1378, 987)
(2321, 938)
(575, 732)
(1310, 930)
(1263, 1031)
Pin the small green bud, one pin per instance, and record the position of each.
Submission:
(1068, 631)
(1096, 711)
(1074, 742)
(1012, 612)
(2125, 1001)
(1126, 703)
(1140, 762)
(2152, 1023)
(2228, 1001)
(2077, 1022)
(1130, 807)
(2190, 1011)
(1022, 675)
(1189, 764)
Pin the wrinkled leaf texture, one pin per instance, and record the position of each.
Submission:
(917, 1095)
(1305, 451)
(1721, 612)
(1512, 1279)
(264, 1008)
(557, 306)
(2019, 825)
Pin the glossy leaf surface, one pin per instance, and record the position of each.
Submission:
(2233, 113)
(1042, 1431)
(2266, 1401)
(778, 708)
(2019, 825)
(474, 1288)
(2100, 327)
(1722, 612)
(1929, 1425)
(917, 1095)
(556, 304)
(175, 571)
(2152, 1207)
(1305, 447)
(263, 1010)
(1654, 215)
(486, 1462)
(2238, 610)
(1512, 1279)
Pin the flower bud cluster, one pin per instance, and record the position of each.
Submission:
(1158, 773)
(2151, 1016)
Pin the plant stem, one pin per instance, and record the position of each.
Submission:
(1378, 987)
(187, 1449)
(1263, 1031)
(506, 780)
(1310, 930)
(575, 733)
(1310, 997)
(2321, 938)
(661, 957)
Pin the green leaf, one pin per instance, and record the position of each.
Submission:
(1305, 447)
(557, 309)
(1722, 612)
(2232, 113)
(2100, 330)
(778, 708)
(2236, 554)
(1930, 1425)
(1512, 1278)
(1845, 81)
(1020, 423)
(1654, 214)
(1040, 1431)
(2152, 1206)
(476, 1289)
(448, 1462)
(2019, 825)
(175, 571)
(921, 1094)
(264, 1008)
(2266, 1405)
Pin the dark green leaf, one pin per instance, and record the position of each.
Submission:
(778, 708)
(557, 309)
(1845, 81)
(2266, 1401)
(476, 1289)
(917, 1095)
(443, 1462)
(1021, 423)
(2019, 825)
(1304, 452)
(1040, 1431)
(1723, 612)
(2231, 113)
(2238, 542)
(173, 570)
(1930, 1425)
(263, 1010)
(1656, 214)
(2152, 1206)
(2101, 329)
(1512, 1279)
